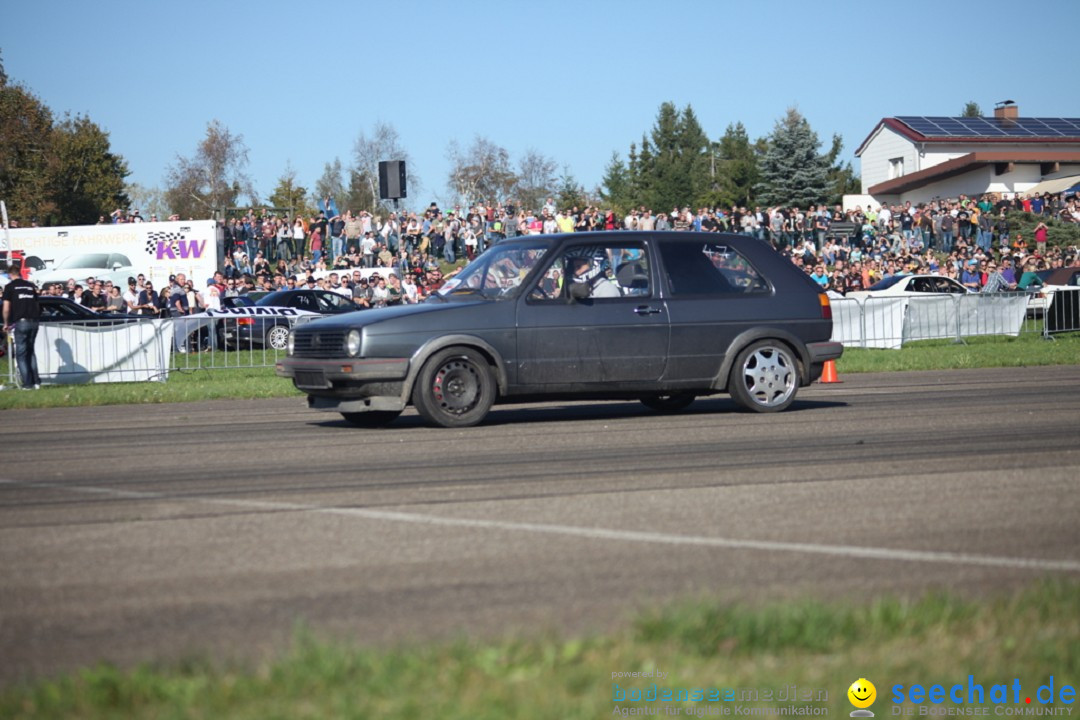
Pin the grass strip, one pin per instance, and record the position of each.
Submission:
(230, 376)
(1029, 634)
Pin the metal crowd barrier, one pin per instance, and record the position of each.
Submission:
(148, 349)
(1062, 312)
(233, 341)
(889, 322)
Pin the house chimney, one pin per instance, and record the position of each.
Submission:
(1007, 110)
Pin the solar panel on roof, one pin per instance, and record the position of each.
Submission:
(982, 127)
(1017, 131)
(924, 126)
(952, 126)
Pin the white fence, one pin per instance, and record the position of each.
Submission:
(889, 322)
(139, 350)
(136, 350)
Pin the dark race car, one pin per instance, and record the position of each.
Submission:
(658, 317)
(267, 322)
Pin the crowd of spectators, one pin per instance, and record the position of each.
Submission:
(396, 258)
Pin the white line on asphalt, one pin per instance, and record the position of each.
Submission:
(591, 533)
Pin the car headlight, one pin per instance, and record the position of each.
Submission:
(292, 344)
(352, 343)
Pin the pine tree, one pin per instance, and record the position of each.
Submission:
(615, 187)
(694, 157)
(736, 171)
(792, 171)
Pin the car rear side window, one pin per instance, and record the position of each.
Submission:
(709, 269)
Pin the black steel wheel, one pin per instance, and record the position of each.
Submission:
(455, 388)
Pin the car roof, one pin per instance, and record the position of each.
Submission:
(1061, 276)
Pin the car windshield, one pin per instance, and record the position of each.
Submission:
(497, 273)
(91, 260)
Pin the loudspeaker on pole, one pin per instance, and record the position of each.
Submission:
(391, 179)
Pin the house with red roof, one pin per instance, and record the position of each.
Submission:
(922, 158)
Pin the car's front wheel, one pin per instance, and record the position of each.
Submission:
(372, 419)
(668, 403)
(277, 337)
(455, 388)
(765, 377)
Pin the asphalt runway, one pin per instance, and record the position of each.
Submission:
(159, 532)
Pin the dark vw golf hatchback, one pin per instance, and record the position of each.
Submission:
(658, 317)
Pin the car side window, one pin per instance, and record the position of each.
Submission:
(331, 302)
(708, 269)
(303, 301)
(604, 271)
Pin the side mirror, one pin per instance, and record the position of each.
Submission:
(579, 291)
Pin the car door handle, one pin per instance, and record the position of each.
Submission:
(646, 310)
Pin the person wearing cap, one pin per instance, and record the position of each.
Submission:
(22, 314)
(971, 278)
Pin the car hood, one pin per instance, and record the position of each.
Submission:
(390, 316)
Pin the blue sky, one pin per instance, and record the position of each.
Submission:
(574, 80)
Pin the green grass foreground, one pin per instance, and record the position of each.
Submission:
(1029, 634)
(234, 381)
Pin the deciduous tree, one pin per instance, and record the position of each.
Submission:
(535, 179)
(213, 178)
(480, 174)
(368, 151)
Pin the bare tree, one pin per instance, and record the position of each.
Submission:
(536, 179)
(213, 178)
(482, 173)
(147, 200)
(384, 144)
(330, 184)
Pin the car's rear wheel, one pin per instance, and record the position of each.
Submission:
(765, 377)
(372, 419)
(668, 403)
(277, 337)
(455, 388)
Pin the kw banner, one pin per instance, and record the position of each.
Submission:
(117, 252)
(69, 353)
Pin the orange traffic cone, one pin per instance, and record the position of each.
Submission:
(828, 373)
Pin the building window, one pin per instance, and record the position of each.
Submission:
(896, 168)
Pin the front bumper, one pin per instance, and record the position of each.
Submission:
(348, 384)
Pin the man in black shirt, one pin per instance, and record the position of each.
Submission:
(21, 314)
(94, 297)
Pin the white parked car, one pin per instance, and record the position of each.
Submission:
(901, 285)
(99, 265)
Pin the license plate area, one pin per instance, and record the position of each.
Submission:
(311, 379)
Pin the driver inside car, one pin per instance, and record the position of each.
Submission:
(599, 285)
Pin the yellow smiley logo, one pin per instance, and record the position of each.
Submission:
(862, 693)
